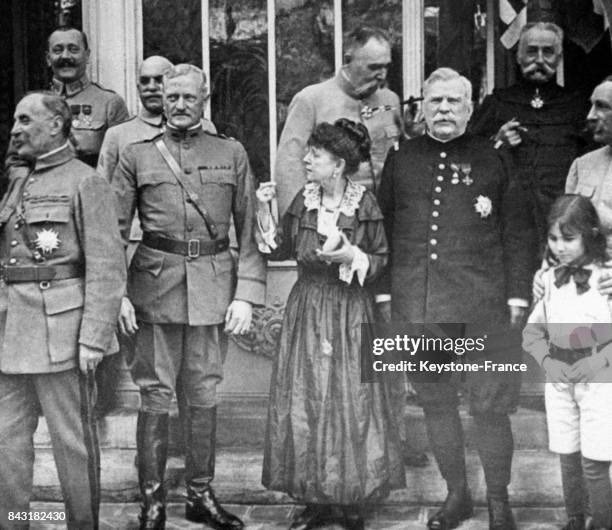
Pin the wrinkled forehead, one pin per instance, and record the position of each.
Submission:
(451, 89)
(603, 92)
(187, 83)
(154, 67)
(65, 38)
(375, 51)
(539, 38)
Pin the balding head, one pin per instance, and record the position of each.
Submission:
(150, 81)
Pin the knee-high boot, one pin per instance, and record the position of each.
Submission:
(152, 445)
(202, 506)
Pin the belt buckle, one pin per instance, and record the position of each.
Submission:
(193, 248)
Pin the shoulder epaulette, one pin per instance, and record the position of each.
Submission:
(102, 88)
(219, 135)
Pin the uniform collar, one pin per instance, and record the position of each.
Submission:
(54, 158)
(177, 135)
(152, 119)
(70, 89)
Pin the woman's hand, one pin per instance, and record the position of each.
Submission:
(344, 254)
(266, 192)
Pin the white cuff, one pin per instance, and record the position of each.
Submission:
(518, 302)
(266, 239)
(360, 265)
(380, 298)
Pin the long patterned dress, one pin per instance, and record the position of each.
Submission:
(330, 438)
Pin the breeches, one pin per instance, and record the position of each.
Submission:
(178, 359)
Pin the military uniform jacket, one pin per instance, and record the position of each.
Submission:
(552, 140)
(171, 288)
(327, 102)
(94, 109)
(457, 229)
(65, 203)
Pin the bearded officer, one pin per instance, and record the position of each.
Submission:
(187, 185)
(62, 274)
(94, 108)
(459, 253)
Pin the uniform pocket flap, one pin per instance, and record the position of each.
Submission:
(151, 263)
(586, 190)
(83, 126)
(40, 213)
(61, 298)
(153, 178)
(217, 175)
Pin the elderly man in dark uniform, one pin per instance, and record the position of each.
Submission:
(455, 222)
(539, 122)
(184, 286)
(62, 276)
(94, 108)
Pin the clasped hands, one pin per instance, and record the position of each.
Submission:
(581, 371)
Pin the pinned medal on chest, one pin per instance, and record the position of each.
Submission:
(461, 173)
(47, 240)
(536, 101)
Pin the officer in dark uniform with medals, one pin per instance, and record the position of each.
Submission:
(459, 253)
(94, 109)
(537, 121)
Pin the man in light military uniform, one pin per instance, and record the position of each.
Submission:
(62, 276)
(94, 109)
(357, 92)
(183, 286)
(459, 253)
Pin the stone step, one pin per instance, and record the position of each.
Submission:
(536, 479)
(124, 516)
(242, 424)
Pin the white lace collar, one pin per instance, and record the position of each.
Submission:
(348, 204)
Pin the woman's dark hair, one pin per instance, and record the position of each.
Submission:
(345, 139)
(577, 215)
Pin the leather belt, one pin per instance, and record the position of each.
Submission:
(192, 248)
(569, 355)
(16, 274)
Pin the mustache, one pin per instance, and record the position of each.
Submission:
(64, 61)
(542, 68)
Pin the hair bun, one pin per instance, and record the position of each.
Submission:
(359, 134)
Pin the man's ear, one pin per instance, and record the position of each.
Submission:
(57, 124)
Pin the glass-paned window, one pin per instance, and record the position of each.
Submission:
(239, 76)
(304, 48)
(173, 29)
(456, 36)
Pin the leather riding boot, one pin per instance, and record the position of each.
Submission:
(152, 444)
(202, 506)
(500, 515)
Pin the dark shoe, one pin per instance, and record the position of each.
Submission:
(500, 515)
(353, 519)
(575, 523)
(313, 516)
(456, 508)
(152, 445)
(203, 507)
(413, 458)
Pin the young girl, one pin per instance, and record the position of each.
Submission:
(569, 333)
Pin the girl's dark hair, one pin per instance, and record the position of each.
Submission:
(577, 215)
(345, 139)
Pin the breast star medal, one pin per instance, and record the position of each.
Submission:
(536, 101)
(47, 240)
(483, 206)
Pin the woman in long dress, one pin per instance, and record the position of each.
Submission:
(331, 441)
